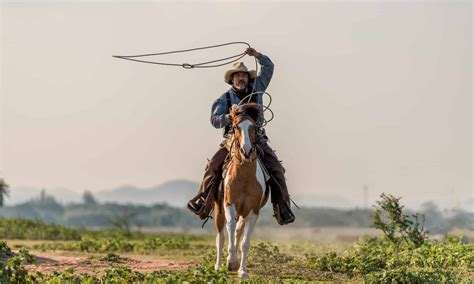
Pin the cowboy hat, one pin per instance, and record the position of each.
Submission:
(238, 67)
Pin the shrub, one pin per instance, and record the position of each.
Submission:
(396, 226)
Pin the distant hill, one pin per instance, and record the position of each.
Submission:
(175, 193)
(24, 194)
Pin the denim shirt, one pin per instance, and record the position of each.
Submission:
(220, 111)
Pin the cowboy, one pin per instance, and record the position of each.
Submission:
(243, 81)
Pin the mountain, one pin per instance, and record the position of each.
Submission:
(174, 193)
(24, 194)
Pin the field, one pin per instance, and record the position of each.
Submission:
(325, 254)
(396, 249)
(147, 253)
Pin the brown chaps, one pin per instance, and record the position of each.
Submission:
(277, 182)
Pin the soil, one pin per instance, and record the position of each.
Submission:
(47, 262)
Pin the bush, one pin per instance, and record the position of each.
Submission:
(396, 226)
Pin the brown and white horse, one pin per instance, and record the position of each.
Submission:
(244, 190)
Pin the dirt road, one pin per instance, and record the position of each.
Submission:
(93, 263)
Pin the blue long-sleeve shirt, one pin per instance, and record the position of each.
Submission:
(220, 111)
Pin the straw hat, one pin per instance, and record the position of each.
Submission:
(238, 67)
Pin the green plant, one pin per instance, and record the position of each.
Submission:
(402, 254)
(4, 249)
(112, 257)
(388, 217)
(265, 257)
(17, 228)
(25, 256)
(14, 271)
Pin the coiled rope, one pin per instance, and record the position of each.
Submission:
(265, 107)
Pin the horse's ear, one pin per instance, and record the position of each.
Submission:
(253, 111)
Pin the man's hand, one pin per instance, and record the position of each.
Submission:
(252, 52)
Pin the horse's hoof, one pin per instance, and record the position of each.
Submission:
(233, 266)
(243, 275)
(217, 267)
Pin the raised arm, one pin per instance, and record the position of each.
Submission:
(266, 72)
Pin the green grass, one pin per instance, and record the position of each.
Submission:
(24, 229)
(373, 259)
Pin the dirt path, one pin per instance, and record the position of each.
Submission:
(48, 262)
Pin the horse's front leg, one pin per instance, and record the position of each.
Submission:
(219, 221)
(230, 216)
(250, 221)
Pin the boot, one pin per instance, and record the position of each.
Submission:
(282, 213)
(202, 204)
(196, 204)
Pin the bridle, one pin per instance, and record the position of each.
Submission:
(235, 142)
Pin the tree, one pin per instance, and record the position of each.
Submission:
(43, 195)
(123, 222)
(435, 221)
(4, 191)
(88, 198)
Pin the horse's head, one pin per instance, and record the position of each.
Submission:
(245, 128)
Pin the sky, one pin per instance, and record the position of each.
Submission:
(375, 94)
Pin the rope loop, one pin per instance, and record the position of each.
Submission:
(208, 64)
(265, 107)
(188, 65)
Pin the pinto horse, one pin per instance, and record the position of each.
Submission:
(244, 190)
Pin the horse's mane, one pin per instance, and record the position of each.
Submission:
(249, 109)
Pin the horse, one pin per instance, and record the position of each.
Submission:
(243, 191)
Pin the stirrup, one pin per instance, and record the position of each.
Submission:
(290, 218)
(196, 204)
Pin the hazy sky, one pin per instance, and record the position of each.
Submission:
(376, 93)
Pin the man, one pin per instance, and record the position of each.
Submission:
(242, 81)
